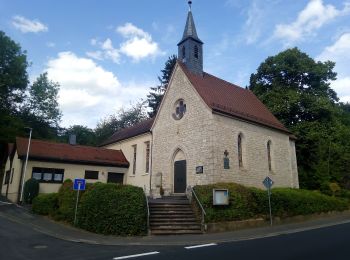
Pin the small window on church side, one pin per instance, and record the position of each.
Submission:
(183, 52)
(240, 156)
(269, 155)
(196, 51)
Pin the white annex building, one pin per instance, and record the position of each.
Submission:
(207, 130)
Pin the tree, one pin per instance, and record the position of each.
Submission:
(295, 87)
(297, 91)
(122, 119)
(156, 94)
(85, 135)
(43, 102)
(13, 74)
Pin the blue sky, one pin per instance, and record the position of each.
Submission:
(107, 54)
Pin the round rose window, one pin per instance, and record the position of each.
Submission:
(180, 109)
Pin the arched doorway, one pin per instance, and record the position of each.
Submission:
(180, 174)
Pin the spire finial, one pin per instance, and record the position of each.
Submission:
(189, 4)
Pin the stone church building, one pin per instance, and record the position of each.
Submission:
(207, 130)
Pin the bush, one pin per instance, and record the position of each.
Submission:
(31, 190)
(113, 209)
(66, 201)
(45, 204)
(252, 202)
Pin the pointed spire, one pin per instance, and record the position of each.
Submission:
(190, 28)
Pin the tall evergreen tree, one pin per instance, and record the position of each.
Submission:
(156, 94)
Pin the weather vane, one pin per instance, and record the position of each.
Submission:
(189, 4)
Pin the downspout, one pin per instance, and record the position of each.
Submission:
(151, 168)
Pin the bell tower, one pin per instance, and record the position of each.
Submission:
(190, 48)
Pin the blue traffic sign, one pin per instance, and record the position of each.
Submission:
(79, 184)
(268, 182)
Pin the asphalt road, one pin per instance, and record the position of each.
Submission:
(18, 241)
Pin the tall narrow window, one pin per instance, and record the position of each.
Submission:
(240, 156)
(134, 160)
(183, 52)
(269, 155)
(147, 156)
(196, 51)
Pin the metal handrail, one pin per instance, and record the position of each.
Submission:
(148, 213)
(201, 207)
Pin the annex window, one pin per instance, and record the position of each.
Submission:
(134, 159)
(240, 153)
(92, 175)
(48, 175)
(196, 51)
(269, 155)
(147, 155)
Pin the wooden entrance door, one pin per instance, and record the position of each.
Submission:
(180, 176)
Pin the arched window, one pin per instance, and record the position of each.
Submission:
(183, 52)
(196, 51)
(239, 146)
(269, 155)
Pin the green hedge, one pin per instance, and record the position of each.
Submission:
(113, 209)
(45, 204)
(248, 203)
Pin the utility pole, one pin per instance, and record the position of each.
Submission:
(25, 165)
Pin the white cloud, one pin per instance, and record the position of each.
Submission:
(107, 51)
(50, 44)
(254, 22)
(138, 44)
(309, 20)
(89, 92)
(25, 25)
(339, 52)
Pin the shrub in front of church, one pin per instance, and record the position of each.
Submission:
(248, 203)
(45, 204)
(31, 190)
(67, 200)
(242, 202)
(113, 209)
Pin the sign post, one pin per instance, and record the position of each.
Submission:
(79, 184)
(268, 184)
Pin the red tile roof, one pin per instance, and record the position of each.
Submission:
(78, 154)
(224, 97)
(138, 129)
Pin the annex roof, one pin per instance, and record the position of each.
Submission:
(138, 129)
(67, 153)
(227, 98)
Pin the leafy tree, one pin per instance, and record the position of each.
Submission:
(297, 91)
(43, 102)
(85, 135)
(122, 119)
(156, 94)
(13, 74)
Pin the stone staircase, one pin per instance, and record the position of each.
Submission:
(172, 215)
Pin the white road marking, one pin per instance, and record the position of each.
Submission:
(132, 256)
(197, 246)
(5, 203)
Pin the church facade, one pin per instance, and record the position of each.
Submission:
(207, 130)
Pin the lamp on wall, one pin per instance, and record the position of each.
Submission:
(25, 165)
